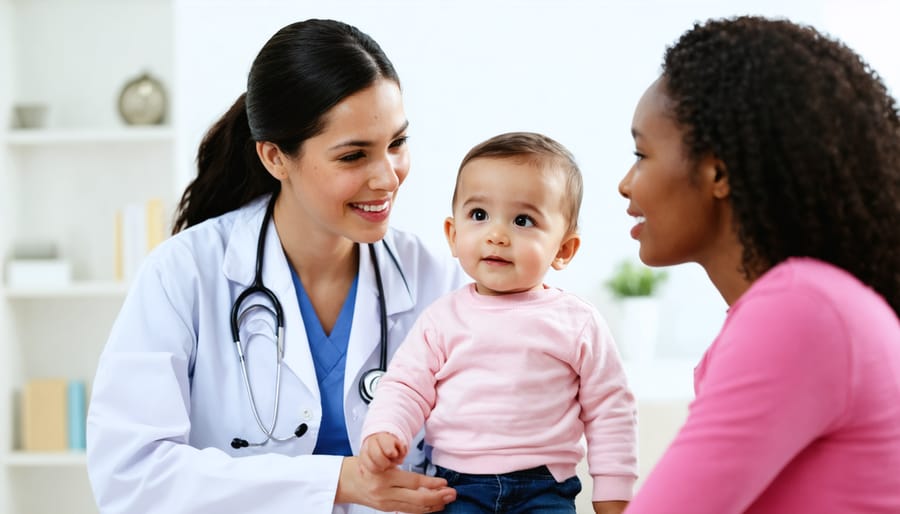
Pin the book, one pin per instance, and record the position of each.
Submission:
(76, 413)
(138, 228)
(44, 412)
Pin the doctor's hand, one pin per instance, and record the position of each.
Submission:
(381, 452)
(391, 490)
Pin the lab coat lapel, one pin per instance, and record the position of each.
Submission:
(240, 266)
(239, 262)
(365, 333)
(277, 275)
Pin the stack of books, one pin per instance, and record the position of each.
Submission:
(139, 227)
(53, 415)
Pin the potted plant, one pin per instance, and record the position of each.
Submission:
(635, 287)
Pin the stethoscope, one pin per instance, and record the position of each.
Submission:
(367, 384)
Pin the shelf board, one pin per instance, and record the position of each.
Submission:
(30, 137)
(85, 289)
(45, 459)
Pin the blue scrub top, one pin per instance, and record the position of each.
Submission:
(329, 352)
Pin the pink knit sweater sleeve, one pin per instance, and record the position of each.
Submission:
(775, 379)
(608, 413)
(406, 394)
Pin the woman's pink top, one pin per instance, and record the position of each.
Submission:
(797, 405)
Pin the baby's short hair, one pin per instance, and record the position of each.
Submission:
(539, 150)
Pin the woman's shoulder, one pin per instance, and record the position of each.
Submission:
(809, 296)
(204, 245)
(817, 281)
(408, 244)
(408, 248)
(425, 267)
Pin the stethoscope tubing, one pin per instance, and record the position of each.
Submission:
(369, 380)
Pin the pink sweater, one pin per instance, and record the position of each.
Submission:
(797, 405)
(504, 383)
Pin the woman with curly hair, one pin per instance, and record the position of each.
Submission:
(770, 154)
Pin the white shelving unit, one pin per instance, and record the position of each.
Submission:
(31, 137)
(36, 460)
(63, 183)
(77, 290)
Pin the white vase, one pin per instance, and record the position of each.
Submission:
(639, 328)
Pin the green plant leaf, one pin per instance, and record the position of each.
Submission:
(630, 279)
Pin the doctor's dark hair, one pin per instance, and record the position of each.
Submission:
(540, 151)
(303, 71)
(809, 138)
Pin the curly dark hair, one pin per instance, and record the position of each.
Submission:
(809, 137)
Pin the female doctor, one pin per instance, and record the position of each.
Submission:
(237, 375)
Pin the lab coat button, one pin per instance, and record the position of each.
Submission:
(307, 415)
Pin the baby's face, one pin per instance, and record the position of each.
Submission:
(508, 223)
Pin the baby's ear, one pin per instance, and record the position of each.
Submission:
(450, 234)
(567, 249)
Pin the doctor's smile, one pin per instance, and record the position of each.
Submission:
(373, 211)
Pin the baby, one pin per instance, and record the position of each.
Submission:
(507, 374)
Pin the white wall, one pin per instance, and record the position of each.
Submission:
(471, 69)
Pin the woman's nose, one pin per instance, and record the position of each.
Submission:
(385, 174)
(625, 184)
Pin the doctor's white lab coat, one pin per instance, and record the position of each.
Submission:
(168, 396)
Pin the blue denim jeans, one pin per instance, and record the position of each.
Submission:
(531, 491)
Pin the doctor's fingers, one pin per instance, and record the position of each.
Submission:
(404, 491)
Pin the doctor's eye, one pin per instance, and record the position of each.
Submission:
(400, 141)
(523, 220)
(478, 214)
(355, 156)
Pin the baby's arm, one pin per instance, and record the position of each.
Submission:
(610, 507)
(382, 451)
(402, 403)
(609, 416)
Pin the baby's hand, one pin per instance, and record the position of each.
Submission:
(381, 451)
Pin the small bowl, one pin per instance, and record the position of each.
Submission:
(29, 116)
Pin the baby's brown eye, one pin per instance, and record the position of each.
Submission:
(523, 220)
(478, 214)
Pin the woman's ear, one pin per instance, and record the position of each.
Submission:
(450, 234)
(715, 173)
(272, 159)
(567, 249)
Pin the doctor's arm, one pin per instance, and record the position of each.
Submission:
(139, 423)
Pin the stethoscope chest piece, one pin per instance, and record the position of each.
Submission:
(368, 383)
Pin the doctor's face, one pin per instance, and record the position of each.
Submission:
(509, 224)
(344, 180)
